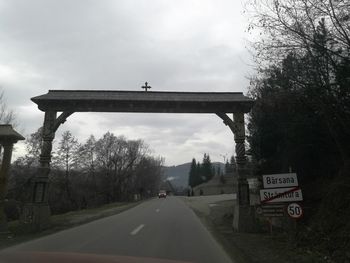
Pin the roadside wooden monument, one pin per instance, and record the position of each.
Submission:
(8, 137)
(37, 213)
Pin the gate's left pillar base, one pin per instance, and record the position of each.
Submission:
(35, 217)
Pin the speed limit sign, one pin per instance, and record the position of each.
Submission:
(294, 210)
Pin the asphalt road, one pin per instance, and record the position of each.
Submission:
(159, 228)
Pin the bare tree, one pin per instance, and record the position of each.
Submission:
(86, 155)
(33, 149)
(314, 35)
(291, 25)
(66, 159)
(7, 116)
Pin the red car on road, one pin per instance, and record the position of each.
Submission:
(162, 194)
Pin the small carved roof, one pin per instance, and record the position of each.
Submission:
(8, 134)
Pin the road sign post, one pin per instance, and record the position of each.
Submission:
(279, 189)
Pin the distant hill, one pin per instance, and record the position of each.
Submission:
(178, 175)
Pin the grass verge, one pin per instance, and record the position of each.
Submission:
(253, 247)
(63, 221)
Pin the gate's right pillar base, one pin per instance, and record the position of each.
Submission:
(243, 212)
(243, 219)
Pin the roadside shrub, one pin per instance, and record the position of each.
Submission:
(12, 209)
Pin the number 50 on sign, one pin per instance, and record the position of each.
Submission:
(294, 210)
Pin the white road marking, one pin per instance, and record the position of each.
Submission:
(157, 210)
(137, 229)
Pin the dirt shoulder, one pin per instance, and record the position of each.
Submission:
(247, 247)
(63, 221)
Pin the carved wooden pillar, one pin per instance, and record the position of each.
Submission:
(243, 217)
(5, 166)
(8, 137)
(36, 215)
(239, 136)
(40, 191)
(241, 159)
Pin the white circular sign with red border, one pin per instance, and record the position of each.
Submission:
(295, 210)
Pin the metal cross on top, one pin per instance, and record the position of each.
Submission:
(146, 87)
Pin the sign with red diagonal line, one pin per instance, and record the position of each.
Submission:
(280, 195)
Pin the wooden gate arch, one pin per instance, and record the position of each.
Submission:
(66, 102)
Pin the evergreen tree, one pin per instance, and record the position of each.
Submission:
(228, 168)
(207, 170)
(233, 163)
(221, 175)
(192, 174)
(218, 170)
(199, 174)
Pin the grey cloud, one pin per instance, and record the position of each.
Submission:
(179, 45)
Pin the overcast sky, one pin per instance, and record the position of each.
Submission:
(180, 45)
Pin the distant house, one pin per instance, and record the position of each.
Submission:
(217, 185)
(226, 185)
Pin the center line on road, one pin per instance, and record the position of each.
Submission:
(157, 210)
(137, 229)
